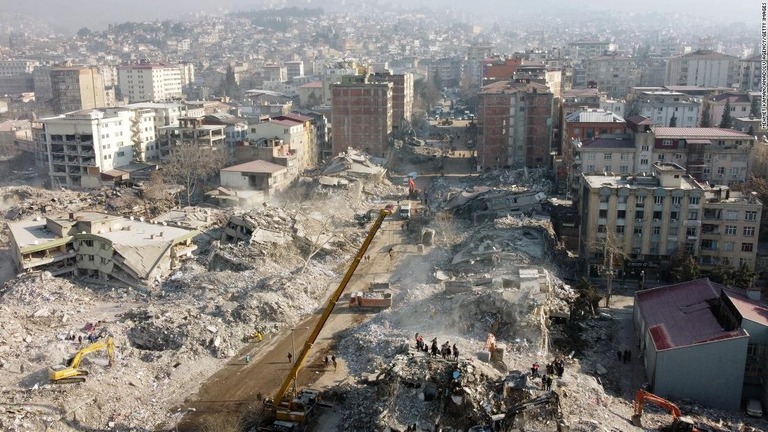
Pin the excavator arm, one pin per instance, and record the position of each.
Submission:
(679, 423)
(71, 373)
(299, 360)
(109, 344)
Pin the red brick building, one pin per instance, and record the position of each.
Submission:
(586, 124)
(514, 125)
(362, 115)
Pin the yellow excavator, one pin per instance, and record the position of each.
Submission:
(71, 372)
(295, 406)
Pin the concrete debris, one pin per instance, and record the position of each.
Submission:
(353, 164)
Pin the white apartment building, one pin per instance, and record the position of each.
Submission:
(703, 68)
(150, 82)
(291, 132)
(661, 106)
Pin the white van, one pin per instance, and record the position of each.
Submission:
(405, 211)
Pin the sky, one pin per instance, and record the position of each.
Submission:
(97, 14)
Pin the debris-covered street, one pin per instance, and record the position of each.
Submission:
(476, 268)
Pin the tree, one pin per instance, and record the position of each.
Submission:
(754, 108)
(230, 86)
(158, 197)
(673, 121)
(751, 130)
(84, 32)
(705, 116)
(744, 277)
(588, 301)
(190, 164)
(722, 274)
(726, 121)
(684, 268)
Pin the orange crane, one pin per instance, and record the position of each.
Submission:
(295, 406)
(679, 423)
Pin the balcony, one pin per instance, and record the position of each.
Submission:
(692, 223)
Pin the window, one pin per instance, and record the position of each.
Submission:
(90, 257)
(602, 214)
(747, 247)
(749, 231)
(621, 214)
(727, 246)
(645, 148)
(674, 215)
(721, 170)
(694, 200)
(619, 229)
(622, 199)
(625, 156)
(730, 230)
(660, 157)
(608, 168)
(120, 153)
(640, 199)
(639, 214)
(657, 215)
(643, 161)
(666, 142)
(607, 156)
(731, 215)
(590, 168)
(658, 200)
(601, 228)
(693, 215)
(638, 230)
(690, 231)
(623, 169)
(88, 243)
(750, 215)
(656, 230)
(676, 200)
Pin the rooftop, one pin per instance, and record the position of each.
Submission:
(684, 314)
(609, 141)
(732, 98)
(594, 116)
(638, 181)
(708, 55)
(698, 132)
(256, 167)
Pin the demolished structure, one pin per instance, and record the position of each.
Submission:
(100, 248)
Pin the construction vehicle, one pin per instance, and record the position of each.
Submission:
(413, 193)
(679, 423)
(361, 300)
(71, 372)
(289, 404)
(506, 421)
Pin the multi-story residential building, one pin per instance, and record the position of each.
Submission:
(309, 153)
(730, 224)
(41, 80)
(274, 72)
(84, 144)
(717, 156)
(616, 106)
(585, 49)
(362, 115)
(402, 97)
(293, 69)
(16, 76)
(703, 68)
(614, 74)
(476, 56)
(653, 71)
(652, 218)
(447, 71)
(190, 130)
(291, 131)
(77, 88)
(739, 102)
(235, 128)
(585, 125)
(577, 99)
(607, 153)
(749, 73)
(514, 125)
(150, 82)
(661, 106)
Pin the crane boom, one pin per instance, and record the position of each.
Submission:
(329, 307)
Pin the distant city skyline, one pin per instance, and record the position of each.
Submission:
(75, 14)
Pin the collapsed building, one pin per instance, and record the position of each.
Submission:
(484, 203)
(100, 248)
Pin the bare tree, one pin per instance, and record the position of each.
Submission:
(158, 197)
(318, 233)
(189, 164)
(613, 255)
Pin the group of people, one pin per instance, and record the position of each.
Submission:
(333, 360)
(446, 351)
(555, 368)
(624, 356)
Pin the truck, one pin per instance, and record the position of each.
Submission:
(405, 211)
(371, 300)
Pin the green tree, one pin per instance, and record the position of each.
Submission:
(751, 130)
(744, 277)
(726, 121)
(754, 109)
(722, 274)
(673, 121)
(84, 32)
(705, 116)
(684, 268)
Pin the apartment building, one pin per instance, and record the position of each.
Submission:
(717, 156)
(614, 74)
(402, 97)
(150, 82)
(585, 49)
(191, 130)
(607, 153)
(235, 128)
(41, 81)
(662, 106)
(447, 71)
(295, 132)
(514, 125)
(100, 248)
(585, 125)
(77, 88)
(16, 76)
(362, 115)
(476, 55)
(749, 73)
(293, 69)
(652, 218)
(740, 104)
(704, 68)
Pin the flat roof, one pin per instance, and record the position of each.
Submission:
(682, 314)
(611, 180)
(609, 141)
(594, 116)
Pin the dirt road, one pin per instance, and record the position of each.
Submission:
(236, 388)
